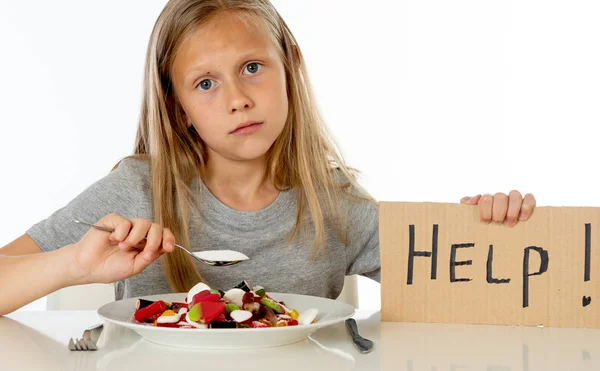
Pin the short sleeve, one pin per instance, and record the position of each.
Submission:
(363, 239)
(121, 191)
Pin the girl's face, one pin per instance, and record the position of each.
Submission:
(231, 83)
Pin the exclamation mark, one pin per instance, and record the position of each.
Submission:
(586, 300)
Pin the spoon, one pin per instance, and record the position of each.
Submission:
(217, 258)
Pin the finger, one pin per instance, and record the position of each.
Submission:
(137, 233)
(120, 225)
(500, 207)
(168, 242)
(475, 200)
(153, 242)
(140, 262)
(139, 246)
(485, 208)
(514, 208)
(527, 207)
(468, 200)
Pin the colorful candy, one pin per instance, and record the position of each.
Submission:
(239, 307)
(158, 307)
(142, 303)
(205, 296)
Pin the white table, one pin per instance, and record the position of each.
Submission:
(37, 341)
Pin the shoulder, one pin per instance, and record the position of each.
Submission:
(356, 201)
(129, 177)
(133, 170)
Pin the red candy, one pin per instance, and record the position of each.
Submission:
(209, 311)
(289, 321)
(205, 296)
(248, 297)
(181, 305)
(257, 324)
(153, 318)
(167, 324)
(145, 313)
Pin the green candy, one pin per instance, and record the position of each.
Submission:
(271, 304)
(194, 313)
(231, 307)
(260, 291)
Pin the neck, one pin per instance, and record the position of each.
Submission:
(241, 185)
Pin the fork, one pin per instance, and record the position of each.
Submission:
(85, 342)
(82, 344)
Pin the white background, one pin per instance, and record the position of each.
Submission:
(431, 100)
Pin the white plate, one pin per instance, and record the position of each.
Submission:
(330, 312)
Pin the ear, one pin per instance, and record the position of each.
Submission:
(174, 106)
(184, 116)
(186, 119)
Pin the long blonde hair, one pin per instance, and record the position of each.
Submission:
(302, 158)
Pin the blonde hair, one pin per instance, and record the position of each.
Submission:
(302, 158)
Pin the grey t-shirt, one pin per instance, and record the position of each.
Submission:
(275, 263)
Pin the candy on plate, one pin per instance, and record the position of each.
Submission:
(242, 306)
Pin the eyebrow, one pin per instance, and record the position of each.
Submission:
(199, 67)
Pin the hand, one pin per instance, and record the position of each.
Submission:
(105, 257)
(501, 208)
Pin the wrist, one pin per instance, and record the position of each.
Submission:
(73, 274)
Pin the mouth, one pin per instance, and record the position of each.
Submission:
(247, 127)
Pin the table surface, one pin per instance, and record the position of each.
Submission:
(37, 340)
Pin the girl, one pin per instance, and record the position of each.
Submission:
(230, 154)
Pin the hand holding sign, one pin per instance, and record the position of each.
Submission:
(501, 208)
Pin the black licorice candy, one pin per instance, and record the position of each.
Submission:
(243, 286)
(223, 324)
(142, 303)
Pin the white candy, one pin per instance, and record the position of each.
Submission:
(308, 316)
(252, 307)
(172, 319)
(168, 319)
(195, 324)
(235, 296)
(241, 315)
(199, 287)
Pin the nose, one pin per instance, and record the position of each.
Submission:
(238, 98)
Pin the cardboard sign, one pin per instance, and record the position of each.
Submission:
(440, 263)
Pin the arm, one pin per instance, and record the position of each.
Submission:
(27, 274)
(362, 253)
(73, 256)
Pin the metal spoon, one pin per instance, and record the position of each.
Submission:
(216, 263)
(364, 345)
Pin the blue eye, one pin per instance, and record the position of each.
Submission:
(252, 68)
(206, 84)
